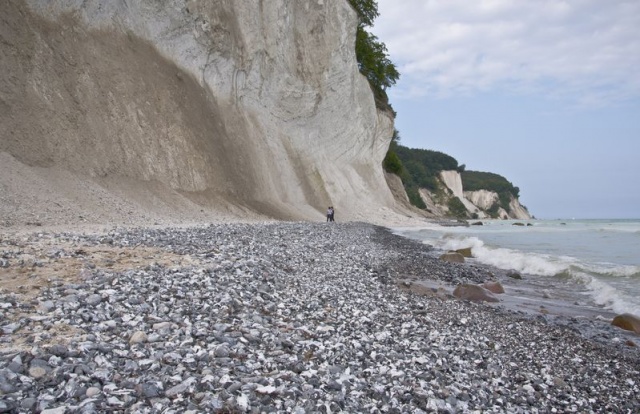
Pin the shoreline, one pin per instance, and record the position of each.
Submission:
(291, 317)
(529, 297)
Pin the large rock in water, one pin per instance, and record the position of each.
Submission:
(466, 252)
(474, 293)
(628, 322)
(493, 286)
(514, 275)
(452, 257)
(243, 105)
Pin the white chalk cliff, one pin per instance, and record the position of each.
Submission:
(207, 108)
(476, 202)
(453, 181)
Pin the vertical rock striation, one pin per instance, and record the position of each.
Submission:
(256, 104)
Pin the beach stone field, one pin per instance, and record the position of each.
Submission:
(285, 317)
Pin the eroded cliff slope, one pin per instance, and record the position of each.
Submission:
(477, 203)
(186, 110)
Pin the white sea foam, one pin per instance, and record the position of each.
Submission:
(506, 259)
(611, 270)
(599, 256)
(603, 293)
(611, 298)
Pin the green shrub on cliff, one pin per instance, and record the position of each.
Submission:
(392, 163)
(456, 208)
(371, 54)
(414, 197)
(493, 210)
(423, 166)
(505, 199)
(478, 180)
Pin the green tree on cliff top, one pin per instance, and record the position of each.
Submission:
(373, 60)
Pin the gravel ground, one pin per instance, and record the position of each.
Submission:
(287, 317)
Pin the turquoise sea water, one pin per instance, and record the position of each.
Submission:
(601, 257)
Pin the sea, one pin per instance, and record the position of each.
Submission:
(597, 260)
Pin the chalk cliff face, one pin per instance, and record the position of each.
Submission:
(225, 107)
(476, 202)
(453, 181)
(518, 211)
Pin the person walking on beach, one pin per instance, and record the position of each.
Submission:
(333, 212)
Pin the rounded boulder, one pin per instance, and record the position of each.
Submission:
(466, 252)
(474, 293)
(627, 322)
(493, 287)
(138, 337)
(514, 275)
(452, 257)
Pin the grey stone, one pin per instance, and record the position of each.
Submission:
(92, 392)
(57, 410)
(222, 351)
(149, 390)
(46, 306)
(28, 404)
(138, 337)
(37, 372)
(93, 300)
(176, 390)
(59, 350)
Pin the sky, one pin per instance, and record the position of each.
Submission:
(543, 92)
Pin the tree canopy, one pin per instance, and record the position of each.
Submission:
(479, 180)
(374, 62)
(367, 11)
(423, 166)
(371, 53)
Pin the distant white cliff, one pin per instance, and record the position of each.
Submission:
(477, 203)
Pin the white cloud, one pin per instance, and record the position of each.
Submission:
(587, 51)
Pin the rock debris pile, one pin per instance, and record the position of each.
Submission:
(288, 317)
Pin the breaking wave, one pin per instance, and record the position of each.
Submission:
(613, 286)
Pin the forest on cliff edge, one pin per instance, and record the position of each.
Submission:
(420, 168)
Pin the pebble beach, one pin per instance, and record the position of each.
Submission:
(279, 317)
